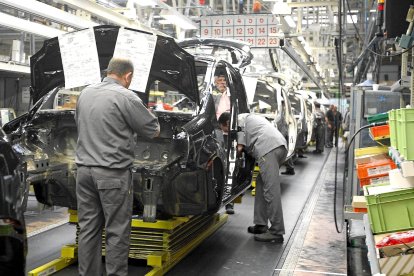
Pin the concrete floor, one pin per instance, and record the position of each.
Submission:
(311, 245)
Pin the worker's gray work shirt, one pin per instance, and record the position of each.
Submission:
(107, 116)
(259, 136)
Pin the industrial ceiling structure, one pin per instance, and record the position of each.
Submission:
(311, 29)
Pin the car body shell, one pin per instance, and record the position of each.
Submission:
(13, 198)
(184, 171)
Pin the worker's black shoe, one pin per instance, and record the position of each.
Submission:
(230, 209)
(269, 237)
(302, 156)
(288, 172)
(317, 151)
(257, 229)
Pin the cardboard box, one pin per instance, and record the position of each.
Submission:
(370, 158)
(359, 202)
(399, 181)
(397, 265)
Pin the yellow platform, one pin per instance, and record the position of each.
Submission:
(163, 243)
(255, 174)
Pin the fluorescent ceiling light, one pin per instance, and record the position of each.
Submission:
(307, 49)
(179, 20)
(351, 19)
(281, 8)
(146, 3)
(290, 21)
(165, 22)
(28, 26)
(108, 3)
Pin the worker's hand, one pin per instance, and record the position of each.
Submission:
(329, 126)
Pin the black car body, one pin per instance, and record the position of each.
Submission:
(13, 196)
(182, 172)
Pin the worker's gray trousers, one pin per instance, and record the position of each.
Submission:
(320, 137)
(268, 201)
(104, 200)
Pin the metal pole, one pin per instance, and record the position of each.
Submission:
(412, 82)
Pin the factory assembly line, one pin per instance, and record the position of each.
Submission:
(206, 137)
(230, 249)
(168, 222)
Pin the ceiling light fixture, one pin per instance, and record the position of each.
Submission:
(281, 8)
(179, 20)
(146, 3)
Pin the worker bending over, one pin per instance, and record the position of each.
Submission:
(107, 116)
(263, 141)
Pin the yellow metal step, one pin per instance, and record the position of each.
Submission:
(163, 243)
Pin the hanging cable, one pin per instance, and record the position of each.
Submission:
(368, 47)
(346, 166)
(338, 51)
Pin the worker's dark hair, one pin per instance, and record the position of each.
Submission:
(317, 105)
(220, 72)
(224, 118)
(119, 66)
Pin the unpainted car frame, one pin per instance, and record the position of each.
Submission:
(184, 171)
(13, 197)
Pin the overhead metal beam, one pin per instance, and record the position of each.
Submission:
(105, 13)
(173, 11)
(27, 26)
(11, 67)
(298, 54)
(49, 12)
(288, 49)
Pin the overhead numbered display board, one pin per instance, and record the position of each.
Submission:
(259, 30)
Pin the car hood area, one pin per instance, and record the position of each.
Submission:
(170, 63)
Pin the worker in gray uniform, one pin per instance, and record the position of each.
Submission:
(263, 141)
(107, 116)
(319, 128)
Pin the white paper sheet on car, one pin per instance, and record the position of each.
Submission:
(139, 48)
(79, 58)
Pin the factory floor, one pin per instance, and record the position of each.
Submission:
(312, 245)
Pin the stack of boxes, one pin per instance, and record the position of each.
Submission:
(373, 165)
(390, 205)
(380, 133)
